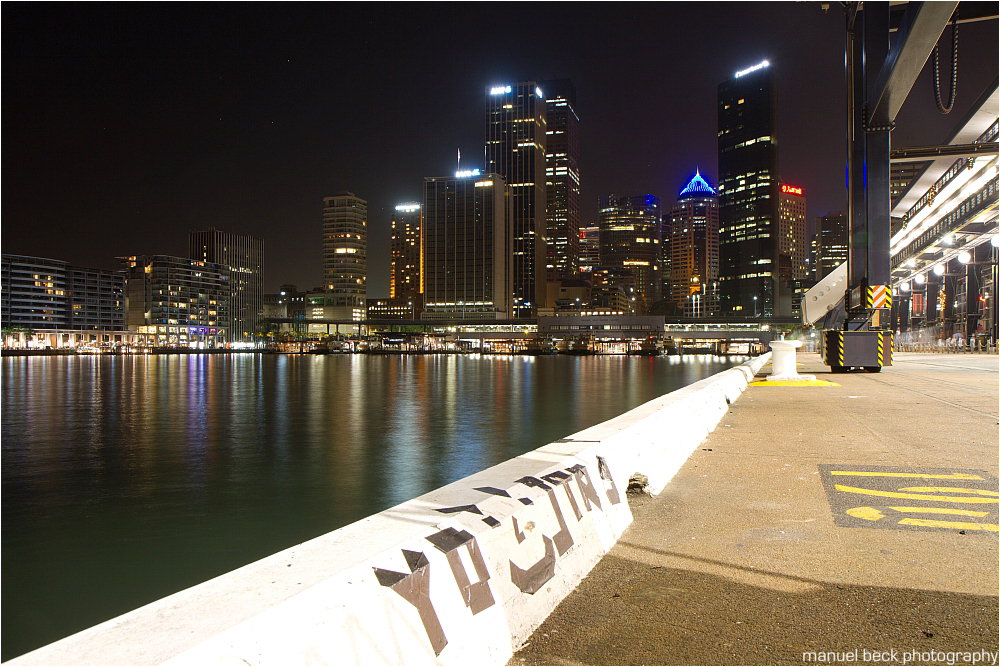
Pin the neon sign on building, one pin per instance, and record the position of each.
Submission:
(791, 190)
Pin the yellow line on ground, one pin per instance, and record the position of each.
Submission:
(950, 489)
(958, 525)
(869, 513)
(937, 510)
(864, 473)
(794, 383)
(915, 496)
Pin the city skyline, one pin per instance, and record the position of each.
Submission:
(216, 128)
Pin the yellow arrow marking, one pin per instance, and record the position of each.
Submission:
(914, 496)
(950, 489)
(869, 513)
(958, 525)
(937, 510)
(863, 473)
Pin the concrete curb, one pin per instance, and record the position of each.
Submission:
(464, 573)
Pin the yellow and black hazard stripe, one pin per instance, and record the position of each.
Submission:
(879, 296)
(881, 338)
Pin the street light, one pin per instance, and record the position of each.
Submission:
(755, 306)
(964, 257)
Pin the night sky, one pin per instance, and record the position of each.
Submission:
(125, 126)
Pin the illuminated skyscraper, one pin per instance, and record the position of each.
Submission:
(406, 248)
(562, 179)
(515, 149)
(792, 237)
(831, 243)
(345, 245)
(590, 248)
(694, 250)
(748, 196)
(244, 255)
(630, 240)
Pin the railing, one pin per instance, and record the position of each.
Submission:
(941, 347)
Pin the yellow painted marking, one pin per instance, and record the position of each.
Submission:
(865, 473)
(794, 383)
(937, 510)
(957, 525)
(914, 496)
(950, 489)
(869, 513)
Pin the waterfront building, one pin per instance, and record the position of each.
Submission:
(244, 255)
(792, 230)
(831, 243)
(589, 248)
(398, 308)
(630, 239)
(49, 294)
(694, 250)
(177, 301)
(748, 196)
(406, 252)
(345, 248)
(613, 289)
(467, 241)
(562, 180)
(515, 150)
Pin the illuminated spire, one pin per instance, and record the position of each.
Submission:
(698, 187)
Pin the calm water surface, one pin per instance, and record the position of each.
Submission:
(126, 479)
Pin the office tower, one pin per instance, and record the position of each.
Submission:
(589, 248)
(244, 255)
(694, 250)
(345, 246)
(562, 179)
(748, 196)
(178, 301)
(467, 243)
(831, 243)
(630, 239)
(406, 251)
(50, 294)
(515, 150)
(792, 230)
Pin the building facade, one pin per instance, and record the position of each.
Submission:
(406, 252)
(792, 241)
(748, 196)
(694, 250)
(562, 179)
(178, 302)
(589, 248)
(515, 150)
(630, 239)
(467, 241)
(244, 255)
(48, 294)
(831, 243)
(345, 253)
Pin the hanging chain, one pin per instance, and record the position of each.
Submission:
(954, 71)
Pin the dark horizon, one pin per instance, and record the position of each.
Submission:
(128, 126)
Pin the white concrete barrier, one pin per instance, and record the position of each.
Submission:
(459, 575)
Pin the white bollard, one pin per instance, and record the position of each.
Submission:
(783, 361)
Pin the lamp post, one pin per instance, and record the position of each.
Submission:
(755, 306)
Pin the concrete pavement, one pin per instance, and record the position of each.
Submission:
(815, 521)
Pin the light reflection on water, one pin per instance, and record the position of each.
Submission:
(128, 478)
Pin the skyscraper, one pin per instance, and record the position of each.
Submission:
(406, 248)
(515, 149)
(345, 246)
(831, 243)
(748, 196)
(589, 248)
(630, 240)
(244, 255)
(792, 235)
(467, 247)
(694, 249)
(562, 179)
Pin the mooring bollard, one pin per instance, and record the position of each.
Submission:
(783, 361)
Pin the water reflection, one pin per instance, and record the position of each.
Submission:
(129, 478)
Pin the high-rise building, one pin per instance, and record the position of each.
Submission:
(590, 248)
(630, 239)
(178, 301)
(467, 242)
(406, 251)
(244, 255)
(831, 243)
(515, 149)
(345, 248)
(562, 179)
(792, 241)
(748, 196)
(694, 250)
(49, 294)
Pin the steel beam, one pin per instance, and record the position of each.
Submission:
(950, 151)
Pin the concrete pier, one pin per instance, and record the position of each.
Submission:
(855, 514)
